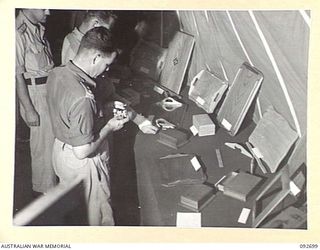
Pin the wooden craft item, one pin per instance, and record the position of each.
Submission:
(239, 98)
(203, 124)
(176, 62)
(197, 197)
(241, 186)
(206, 90)
(225, 180)
(173, 138)
(178, 170)
(273, 137)
(146, 59)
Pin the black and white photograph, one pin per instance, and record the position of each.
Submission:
(171, 118)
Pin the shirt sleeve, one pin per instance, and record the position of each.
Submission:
(20, 54)
(64, 51)
(81, 118)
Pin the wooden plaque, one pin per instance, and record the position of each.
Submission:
(239, 98)
(176, 62)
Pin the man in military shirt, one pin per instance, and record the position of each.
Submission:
(93, 18)
(105, 91)
(33, 64)
(81, 146)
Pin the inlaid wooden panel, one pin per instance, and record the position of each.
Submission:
(176, 62)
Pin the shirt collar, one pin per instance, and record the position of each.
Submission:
(78, 33)
(81, 74)
(30, 25)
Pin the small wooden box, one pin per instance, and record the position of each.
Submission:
(241, 186)
(203, 124)
(173, 138)
(197, 197)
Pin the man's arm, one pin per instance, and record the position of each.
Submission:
(31, 115)
(86, 150)
(65, 51)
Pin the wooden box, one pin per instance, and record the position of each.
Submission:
(206, 90)
(241, 186)
(178, 170)
(146, 59)
(272, 138)
(173, 138)
(239, 98)
(176, 62)
(203, 124)
(197, 197)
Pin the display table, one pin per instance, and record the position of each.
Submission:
(159, 205)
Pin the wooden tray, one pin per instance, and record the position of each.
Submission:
(239, 98)
(206, 90)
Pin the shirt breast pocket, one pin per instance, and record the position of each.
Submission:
(39, 55)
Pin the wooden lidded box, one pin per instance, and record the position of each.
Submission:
(206, 90)
(197, 197)
(173, 138)
(239, 98)
(203, 124)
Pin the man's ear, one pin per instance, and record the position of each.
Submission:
(96, 58)
(114, 55)
(94, 23)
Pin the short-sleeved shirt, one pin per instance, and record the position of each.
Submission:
(72, 105)
(71, 44)
(33, 54)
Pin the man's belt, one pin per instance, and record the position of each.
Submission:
(38, 81)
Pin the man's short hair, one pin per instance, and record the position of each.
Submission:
(99, 39)
(101, 15)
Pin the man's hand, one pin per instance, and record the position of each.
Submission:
(32, 118)
(114, 124)
(147, 128)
